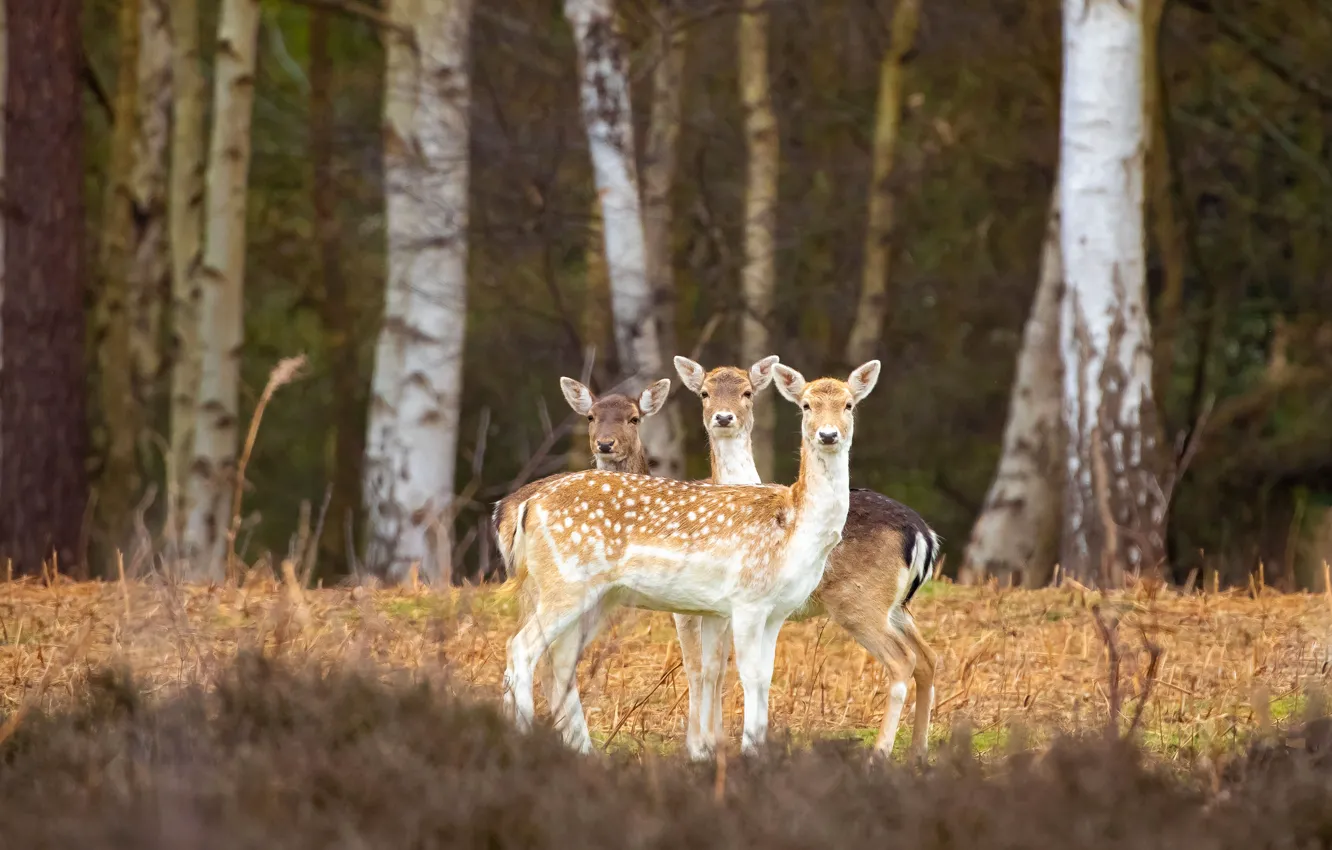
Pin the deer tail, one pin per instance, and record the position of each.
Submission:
(509, 519)
(922, 556)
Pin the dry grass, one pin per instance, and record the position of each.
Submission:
(1008, 659)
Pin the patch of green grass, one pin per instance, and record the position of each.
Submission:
(416, 608)
(1284, 708)
(935, 590)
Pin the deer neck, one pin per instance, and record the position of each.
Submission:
(822, 492)
(636, 463)
(733, 460)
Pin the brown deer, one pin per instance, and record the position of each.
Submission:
(613, 438)
(887, 552)
(596, 540)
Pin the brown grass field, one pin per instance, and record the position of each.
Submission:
(1008, 659)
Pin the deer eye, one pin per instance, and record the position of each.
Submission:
(805, 405)
(633, 420)
(848, 405)
(748, 394)
(590, 417)
(703, 394)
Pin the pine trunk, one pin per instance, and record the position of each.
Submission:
(872, 309)
(119, 476)
(604, 94)
(1017, 532)
(185, 223)
(43, 434)
(344, 462)
(759, 274)
(417, 388)
(222, 280)
(4, 77)
(1114, 516)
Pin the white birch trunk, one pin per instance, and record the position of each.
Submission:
(417, 386)
(150, 265)
(185, 214)
(604, 93)
(222, 279)
(759, 273)
(1017, 532)
(1114, 512)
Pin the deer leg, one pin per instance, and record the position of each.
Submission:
(688, 629)
(561, 678)
(755, 650)
(879, 634)
(924, 675)
(526, 647)
(716, 651)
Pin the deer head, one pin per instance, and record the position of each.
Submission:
(613, 420)
(727, 394)
(828, 404)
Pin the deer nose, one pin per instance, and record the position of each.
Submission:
(605, 446)
(829, 437)
(723, 420)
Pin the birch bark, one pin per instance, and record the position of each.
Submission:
(604, 93)
(222, 281)
(759, 274)
(412, 440)
(185, 230)
(1017, 532)
(1114, 514)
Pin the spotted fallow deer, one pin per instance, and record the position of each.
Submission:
(596, 540)
(887, 552)
(613, 438)
(559, 678)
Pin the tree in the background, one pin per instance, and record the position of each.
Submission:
(416, 393)
(660, 161)
(759, 274)
(1017, 532)
(150, 270)
(185, 227)
(43, 433)
(604, 94)
(119, 476)
(4, 75)
(872, 309)
(344, 462)
(222, 280)
(1114, 512)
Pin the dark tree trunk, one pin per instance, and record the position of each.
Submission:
(344, 466)
(43, 433)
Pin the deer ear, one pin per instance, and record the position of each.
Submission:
(863, 379)
(579, 397)
(760, 374)
(790, 383)
(654, 397)
(691, 374)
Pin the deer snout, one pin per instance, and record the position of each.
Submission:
(723, 419)
(829, 436)
(605, 446)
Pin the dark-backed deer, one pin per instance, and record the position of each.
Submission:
(613, 439)
(597, 540)
(887, 552)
